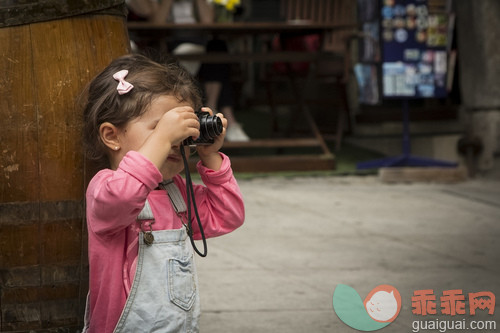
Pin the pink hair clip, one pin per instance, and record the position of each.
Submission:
(123, 86)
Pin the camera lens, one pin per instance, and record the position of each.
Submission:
(210, 126)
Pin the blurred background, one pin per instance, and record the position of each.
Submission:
(367, 60)
(320, 87)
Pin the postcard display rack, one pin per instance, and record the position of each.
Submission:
(414, 44)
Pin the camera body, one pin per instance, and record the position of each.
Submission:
(210, 127)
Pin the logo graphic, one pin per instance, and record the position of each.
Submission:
(379, 309)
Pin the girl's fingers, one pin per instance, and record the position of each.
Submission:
(223, 119)
(207, 109)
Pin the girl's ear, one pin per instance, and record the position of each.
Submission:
(109, 135)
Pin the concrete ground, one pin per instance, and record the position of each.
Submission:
(304, 236)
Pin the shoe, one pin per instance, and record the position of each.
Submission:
(235, 133)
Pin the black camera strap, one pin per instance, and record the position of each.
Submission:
(179, 206)
(191, 196)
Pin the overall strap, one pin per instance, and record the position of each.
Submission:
(175, 195)
(146, 212)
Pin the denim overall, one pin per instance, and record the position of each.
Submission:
(164, 295)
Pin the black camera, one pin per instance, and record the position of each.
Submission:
(210, 127)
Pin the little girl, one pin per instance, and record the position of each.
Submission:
(142, 275)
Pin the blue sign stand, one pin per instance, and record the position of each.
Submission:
(406, 159)
(413, 66)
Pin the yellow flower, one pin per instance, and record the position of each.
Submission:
(230, 5)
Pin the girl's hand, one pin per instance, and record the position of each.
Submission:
(179, 124)
(170, 129)
(209, 154)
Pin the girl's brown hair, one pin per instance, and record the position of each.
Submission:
(150, 80)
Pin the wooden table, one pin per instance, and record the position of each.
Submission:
(163, 32)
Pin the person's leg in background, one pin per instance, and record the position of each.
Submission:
(218, 99)
(218, 91)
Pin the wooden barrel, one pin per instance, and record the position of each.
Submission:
(44, 67)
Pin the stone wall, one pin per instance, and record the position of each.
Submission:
(479, 64)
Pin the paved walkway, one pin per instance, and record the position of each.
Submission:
(304, 236)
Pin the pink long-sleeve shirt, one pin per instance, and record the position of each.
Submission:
(115, 198)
